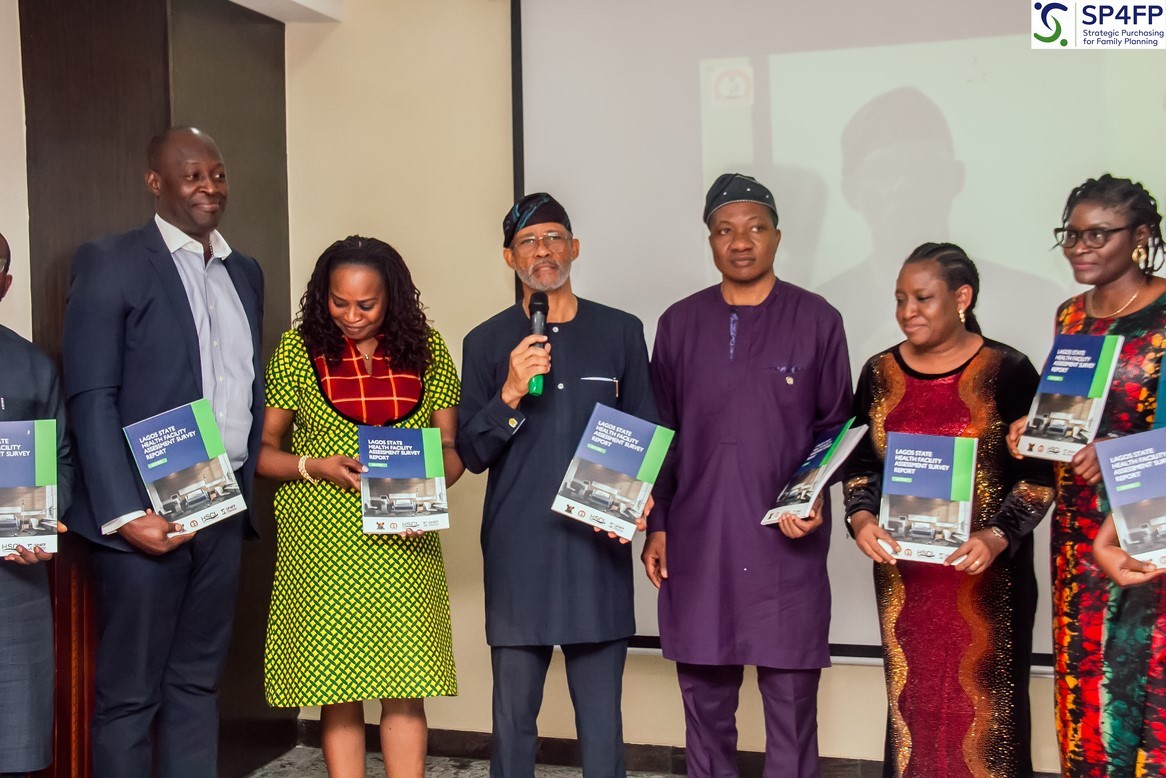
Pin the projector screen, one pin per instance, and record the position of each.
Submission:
(878, 126)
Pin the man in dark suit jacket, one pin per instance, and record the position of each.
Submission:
(157, 318)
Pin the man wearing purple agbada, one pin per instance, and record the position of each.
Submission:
(748, 373)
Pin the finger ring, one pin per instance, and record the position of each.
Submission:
(976, 563)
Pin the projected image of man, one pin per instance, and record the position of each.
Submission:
(748, 372)
(901, 173)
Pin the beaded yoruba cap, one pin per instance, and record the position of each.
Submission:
(737, 188)
(535, 208)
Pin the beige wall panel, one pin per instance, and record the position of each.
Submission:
(16, 310)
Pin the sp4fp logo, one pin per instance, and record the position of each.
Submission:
(1050, 25)
(1087, 25)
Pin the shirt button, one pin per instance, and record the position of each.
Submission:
(220, 379)
(560, 386)
(215, 344)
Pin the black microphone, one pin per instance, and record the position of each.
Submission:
(539, 307)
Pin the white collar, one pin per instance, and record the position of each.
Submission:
(175, 239)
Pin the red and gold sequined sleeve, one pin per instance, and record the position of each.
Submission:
(1029, 481)
(863, 472)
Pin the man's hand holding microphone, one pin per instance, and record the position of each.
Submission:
(531, 358)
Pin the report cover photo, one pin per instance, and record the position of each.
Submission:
(185, 467)
(1070, 400)
(1134, 471)
(813, 475)
(28, 485)
(615, 466)
(404, 487)
(927, 494)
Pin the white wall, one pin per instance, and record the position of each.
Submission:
(16, 309)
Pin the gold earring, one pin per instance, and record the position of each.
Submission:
(1139, 255)
(963, 319)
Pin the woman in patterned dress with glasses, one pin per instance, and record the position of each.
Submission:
(1109, 644)
(354, 616)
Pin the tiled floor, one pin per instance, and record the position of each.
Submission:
(309, 763)
(303, 762)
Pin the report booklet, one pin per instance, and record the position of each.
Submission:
(404, 488)
(185, 467)
(1069, 402)
(616, 464)
(1134, 471)
(28, 485)
(928, 483)
(826, 456)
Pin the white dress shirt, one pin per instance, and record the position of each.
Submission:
(224, 340)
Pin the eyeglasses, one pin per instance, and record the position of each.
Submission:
(1093, 238)
(554, 241)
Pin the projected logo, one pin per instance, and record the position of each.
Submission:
(733, 86)
(1051, 24)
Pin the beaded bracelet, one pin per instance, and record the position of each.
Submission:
(303, 468)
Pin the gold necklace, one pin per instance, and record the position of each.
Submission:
(367, 357)
(1129, 302)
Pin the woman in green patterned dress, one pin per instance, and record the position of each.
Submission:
(356, 617)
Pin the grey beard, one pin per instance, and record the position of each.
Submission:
(528, 278)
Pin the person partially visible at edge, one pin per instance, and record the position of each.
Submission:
(29, 391)
(749, 373)
(356, 617)
(549, 579)
(157, 318)
(1109, 674)
(947, 379)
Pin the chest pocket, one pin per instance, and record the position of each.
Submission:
(786, 384)
(16, 405)
(599, 388)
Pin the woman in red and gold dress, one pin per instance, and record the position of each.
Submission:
(957, 636)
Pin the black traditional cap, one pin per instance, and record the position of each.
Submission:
(737, 188)
(535, 208)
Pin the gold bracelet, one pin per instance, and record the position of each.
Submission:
(303, 468)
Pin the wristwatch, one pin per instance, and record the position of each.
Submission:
(849, 526)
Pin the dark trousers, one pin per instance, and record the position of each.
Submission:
(164, 626)
(790, 702)
(595, 680)
(26, 669)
